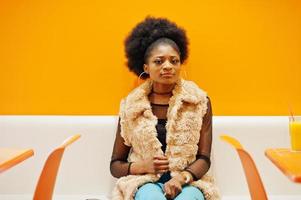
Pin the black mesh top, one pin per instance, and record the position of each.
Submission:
(161, 131)
(120, 167)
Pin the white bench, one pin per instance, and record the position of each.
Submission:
(84, 171)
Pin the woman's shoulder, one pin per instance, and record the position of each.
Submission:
(136, 99)
(140, 91)
(193, 88)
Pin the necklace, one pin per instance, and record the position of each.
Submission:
(162, 93)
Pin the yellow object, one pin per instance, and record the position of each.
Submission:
(235, 143)
(288, 161)
(10, 157)
(295, 135)
(254, 181)
(67, 57)
(46, 183)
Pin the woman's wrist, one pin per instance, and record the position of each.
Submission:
(180, 178)
(137, 168)
(187, 176)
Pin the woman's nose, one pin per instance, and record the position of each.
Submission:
(167, 65)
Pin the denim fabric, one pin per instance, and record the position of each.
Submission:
(155, 191)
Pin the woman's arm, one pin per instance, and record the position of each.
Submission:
(119, 166)
(202, 163)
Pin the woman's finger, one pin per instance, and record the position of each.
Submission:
(161, 162)
(167, 191)
(158, 167)
(161, 171)
(160, 158)
(161, 168)
(174, 191)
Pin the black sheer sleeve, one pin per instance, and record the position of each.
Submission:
(202, 163)
(119, 165)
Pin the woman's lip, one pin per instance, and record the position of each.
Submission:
(167, 74)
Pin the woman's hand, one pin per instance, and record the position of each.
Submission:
(155, 165)
(174, 186)
(159, 165)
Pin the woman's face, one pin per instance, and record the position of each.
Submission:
(163, 64)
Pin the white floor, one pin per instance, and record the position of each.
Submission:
(56, 197)
(97, 197)
(297, 197)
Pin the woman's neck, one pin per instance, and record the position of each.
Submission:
(159, 88)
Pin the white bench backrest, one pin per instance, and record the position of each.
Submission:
(85, 165)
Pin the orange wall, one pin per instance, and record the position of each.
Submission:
(67, 57)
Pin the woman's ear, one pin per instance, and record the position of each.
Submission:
(145, 67)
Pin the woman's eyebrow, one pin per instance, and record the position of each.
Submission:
(164, 56)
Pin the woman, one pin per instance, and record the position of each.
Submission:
(163, 141)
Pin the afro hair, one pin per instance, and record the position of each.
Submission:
(147, 32)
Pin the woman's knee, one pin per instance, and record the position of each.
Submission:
(150, 191)
(190, 192)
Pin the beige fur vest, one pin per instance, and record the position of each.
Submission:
(186, 109)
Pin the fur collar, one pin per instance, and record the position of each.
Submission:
(184, 91)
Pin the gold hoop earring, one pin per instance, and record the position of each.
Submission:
(185, 74)
(139, 77)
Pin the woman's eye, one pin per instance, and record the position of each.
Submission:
(176, 61)
(158, 62)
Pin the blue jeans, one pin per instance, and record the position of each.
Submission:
(155, 191)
